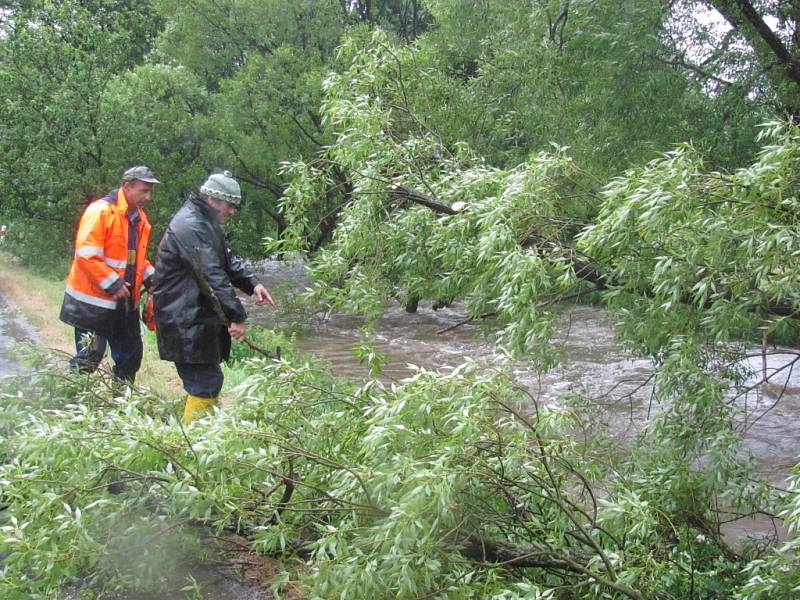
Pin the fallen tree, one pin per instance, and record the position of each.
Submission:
(696, 267)
(440, 485)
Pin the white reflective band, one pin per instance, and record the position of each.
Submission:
(85, 251)
(111, 304)
(109, 281)
(149, 271)
(117, 264)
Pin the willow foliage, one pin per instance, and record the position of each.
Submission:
(696, 266)
(714, 254)
(501, 253)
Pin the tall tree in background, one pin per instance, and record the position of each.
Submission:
(56, 59)
(585, 74)
(239, 85)
(407, 18)
(751, 46)
(263, 64)
(158, 115)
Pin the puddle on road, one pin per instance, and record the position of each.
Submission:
(13, 329)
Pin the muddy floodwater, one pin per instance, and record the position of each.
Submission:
(594, 364)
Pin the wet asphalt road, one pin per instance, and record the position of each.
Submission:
(13, 328)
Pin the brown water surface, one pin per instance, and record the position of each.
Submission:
(594, 364)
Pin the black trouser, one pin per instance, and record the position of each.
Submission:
(125, 342)
(201, 379)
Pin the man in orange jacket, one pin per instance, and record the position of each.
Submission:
(109, 269)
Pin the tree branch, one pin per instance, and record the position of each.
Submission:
(402, 192)
(731, 9)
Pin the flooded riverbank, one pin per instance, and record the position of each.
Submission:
(594, 364)
(617, 385)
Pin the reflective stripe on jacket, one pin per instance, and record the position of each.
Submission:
(98, 266)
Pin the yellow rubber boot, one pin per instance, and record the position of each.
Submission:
(195, 407)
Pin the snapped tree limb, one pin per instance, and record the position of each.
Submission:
(583, 268)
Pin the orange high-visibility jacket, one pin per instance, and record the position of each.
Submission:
(101, 256)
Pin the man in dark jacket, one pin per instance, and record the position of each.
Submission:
(196, 307)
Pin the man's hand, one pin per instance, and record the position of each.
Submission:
(237, 330)
(262, 295)
(123, 292)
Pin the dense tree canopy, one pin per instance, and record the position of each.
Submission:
(57, 58)
(616, 82)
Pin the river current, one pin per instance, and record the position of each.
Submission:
(594, 362)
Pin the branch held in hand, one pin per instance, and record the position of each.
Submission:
(206, 288)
